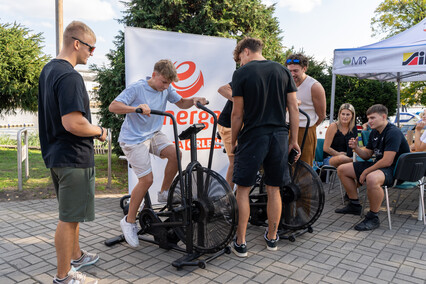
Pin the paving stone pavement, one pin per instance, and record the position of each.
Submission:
(333, 253)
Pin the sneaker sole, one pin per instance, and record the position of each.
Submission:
(239, 254)
(127, 241)
(272, 249)
(85, 264)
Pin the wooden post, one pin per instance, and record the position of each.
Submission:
(59, 25)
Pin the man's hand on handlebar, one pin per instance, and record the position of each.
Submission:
(145, 109)
(201, 100)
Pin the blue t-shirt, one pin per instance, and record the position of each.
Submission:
(137, 128)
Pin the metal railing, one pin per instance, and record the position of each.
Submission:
(22, 156)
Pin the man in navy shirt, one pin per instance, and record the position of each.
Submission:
(386, 143)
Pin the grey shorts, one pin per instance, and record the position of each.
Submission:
(138, 154)
(75, 191)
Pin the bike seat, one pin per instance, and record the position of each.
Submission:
(193, 129)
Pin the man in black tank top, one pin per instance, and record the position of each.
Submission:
(261, 91)
(387, 143)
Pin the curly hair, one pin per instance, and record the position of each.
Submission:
(297, 58)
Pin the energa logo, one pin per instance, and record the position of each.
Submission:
(190, 81)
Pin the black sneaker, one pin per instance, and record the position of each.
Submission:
(349, 209)
(368, 224)
(271, 244)
(239, 250)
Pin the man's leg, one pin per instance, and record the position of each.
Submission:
(243, 212)
(230, 172)
(76, 253)
(347, 176)
(138, 193)
(171, 169)
(274, 208)
(64, 244)
(375, 193)
(225, 134)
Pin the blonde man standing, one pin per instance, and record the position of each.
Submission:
(66, 138)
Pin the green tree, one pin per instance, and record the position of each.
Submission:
(364, 93)
(21, 61)
(393, 17)
(223, 18)
(360, 93)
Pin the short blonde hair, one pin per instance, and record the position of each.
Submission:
(352, 110)
(166, 68)
(77, 29)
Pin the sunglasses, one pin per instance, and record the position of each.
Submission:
(91, 47)
(290, 61)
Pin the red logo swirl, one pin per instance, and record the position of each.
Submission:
(193, 87)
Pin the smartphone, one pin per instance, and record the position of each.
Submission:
(292, 156)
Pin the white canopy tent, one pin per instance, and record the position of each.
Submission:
(401, 58)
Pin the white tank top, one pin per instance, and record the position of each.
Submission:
(304, 94)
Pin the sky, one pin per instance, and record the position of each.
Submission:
(316, 26)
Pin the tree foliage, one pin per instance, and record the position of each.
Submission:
(223, 18)
(21, 61)
(393, 17)
(360, 93)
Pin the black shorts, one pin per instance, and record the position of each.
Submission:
(271, 150)
(359, 167)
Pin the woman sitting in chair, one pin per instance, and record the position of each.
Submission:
(336, 149)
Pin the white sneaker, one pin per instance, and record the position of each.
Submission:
(162, 196)
(130, 232)
(75, 277)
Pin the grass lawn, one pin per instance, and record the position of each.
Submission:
(40, 176)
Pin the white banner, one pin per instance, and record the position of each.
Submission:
(203, 64)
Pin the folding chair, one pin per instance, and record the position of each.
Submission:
(409, 172)
(330, 170)
(365, 134)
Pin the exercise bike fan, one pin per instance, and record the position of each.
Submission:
(303, 198)
(215, 211)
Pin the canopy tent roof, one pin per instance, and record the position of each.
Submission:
(402, 57)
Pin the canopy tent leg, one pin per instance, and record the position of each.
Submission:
(398, 80)
(333, 90)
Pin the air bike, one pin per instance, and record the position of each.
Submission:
(201, 210)
(302, 199)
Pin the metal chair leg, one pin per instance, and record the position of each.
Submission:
(396, 202)
(422, 201)
(387, 207)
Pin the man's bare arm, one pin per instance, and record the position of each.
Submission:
(318, 98)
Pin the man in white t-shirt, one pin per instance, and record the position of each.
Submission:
(312, 95)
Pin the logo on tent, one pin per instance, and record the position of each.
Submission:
(190, 84)
(414, 58)
(355, 61)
